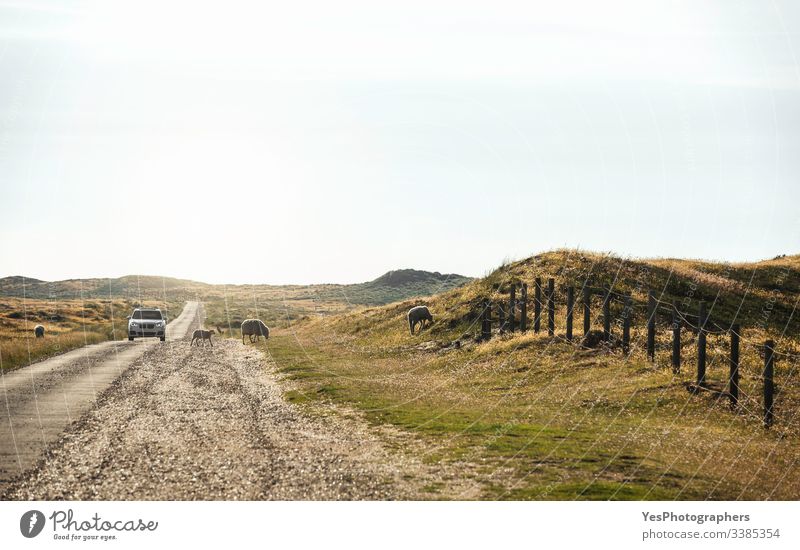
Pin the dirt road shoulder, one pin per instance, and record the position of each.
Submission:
(42, 399)
(211, 423)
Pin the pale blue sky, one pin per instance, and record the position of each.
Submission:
(331, 142)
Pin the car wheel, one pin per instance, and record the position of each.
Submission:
(130, 338)
(163, 338)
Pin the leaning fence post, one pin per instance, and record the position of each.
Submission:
(769, 383)
(587, 299)
(701, 345)
(523, 308)
(551, 307)
(537, 304)
(486, 323)
(607, 316)
(651, 325)
(570, 306)
(512, 308)
(626, 325)
(733, 383)
(676, 340)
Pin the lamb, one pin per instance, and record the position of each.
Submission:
(254, 327)
(38, 330)
(201, 336)
(419, 314)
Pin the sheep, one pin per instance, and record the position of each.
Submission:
(419, 314)
(254, 327)
(201, 336)
(38, 330)
(219, 329)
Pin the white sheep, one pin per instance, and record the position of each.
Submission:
(254, 327)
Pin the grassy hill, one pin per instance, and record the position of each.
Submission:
(529, 416)
(228, 305)
(394, 286)
(130, 286)
(79, 311)
(389, 287)
(69, 324)
(758, 295)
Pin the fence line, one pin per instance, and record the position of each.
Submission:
(507, 322)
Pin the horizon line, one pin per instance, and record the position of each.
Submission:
(505, 261)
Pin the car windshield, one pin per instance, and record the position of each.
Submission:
(149, 315)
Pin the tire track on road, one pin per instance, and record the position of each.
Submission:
(43, 399)
(188, 423)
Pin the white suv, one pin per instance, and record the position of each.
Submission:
(147, 322)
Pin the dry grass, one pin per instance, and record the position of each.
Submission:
(72, 321)
(527, 416)
(69, 324)
(534, 417)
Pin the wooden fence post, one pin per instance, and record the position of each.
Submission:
(701, 345)
(512, 308)
(607, 316)
(676, 340)
(769, 383)
(733, 381)
(501, 317)
(551, 307)
(523, 310)
(537, 304)
(651, 326)
(587, 300)
(570, 306)
(486, 321)
(626, 325)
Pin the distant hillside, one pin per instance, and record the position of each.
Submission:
(392, 286)
(401, 284)
(130, 286)
(401, 277)
(760, 294)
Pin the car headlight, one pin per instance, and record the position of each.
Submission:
(134, 325)
(160, 324)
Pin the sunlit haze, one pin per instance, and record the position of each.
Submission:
(304, 142)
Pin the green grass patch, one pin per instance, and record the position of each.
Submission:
(528, 416)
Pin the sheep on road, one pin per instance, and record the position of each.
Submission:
(201, 336)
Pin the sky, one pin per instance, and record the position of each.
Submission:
(310, 142)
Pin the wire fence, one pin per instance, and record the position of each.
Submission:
(512, 316)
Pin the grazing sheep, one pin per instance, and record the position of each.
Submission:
(419, 314)
(38, 330)
(254, 327)
(201, 336)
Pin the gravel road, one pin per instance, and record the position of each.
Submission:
(184, 423)
(38, 402)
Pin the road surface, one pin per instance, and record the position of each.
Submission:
(187, 423)
(41, 400)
